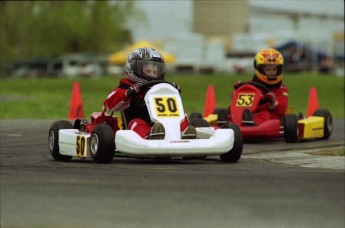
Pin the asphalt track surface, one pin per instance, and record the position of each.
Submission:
(37, 191)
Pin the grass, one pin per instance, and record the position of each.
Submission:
(329, 152)
(50, 98)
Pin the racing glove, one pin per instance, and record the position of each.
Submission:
(272, 100)
(237, 84)
(132, 90)
(177, 86)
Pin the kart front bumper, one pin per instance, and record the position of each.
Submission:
(131, 144)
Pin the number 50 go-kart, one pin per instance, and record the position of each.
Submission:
(106, 135)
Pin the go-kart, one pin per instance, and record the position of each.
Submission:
(292, 127)
(106, 135)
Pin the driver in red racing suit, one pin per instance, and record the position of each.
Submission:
(143, 65)
(269, 64)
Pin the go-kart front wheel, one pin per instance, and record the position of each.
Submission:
(102, 144)
(291, 128)
(328, 122)
(53, 139)
(195, 115)
(235, 153)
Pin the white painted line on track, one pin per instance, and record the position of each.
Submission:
(304, 158)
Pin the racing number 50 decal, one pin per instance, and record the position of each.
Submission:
(245, 99)
(80, 145)
(166, 107)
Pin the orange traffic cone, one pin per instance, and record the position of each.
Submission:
(76, 106)
(210, 101)
(313, 102)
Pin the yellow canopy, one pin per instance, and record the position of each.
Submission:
(120, 57)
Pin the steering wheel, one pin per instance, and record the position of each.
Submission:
(149, 84)
(257, 85)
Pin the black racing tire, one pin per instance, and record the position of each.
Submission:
(102, 144)
(80, 124)
(222, 117)
(199, 123)
(291, 131)
(235, 153)
(218, 110)
(53, 139)
(328, 122)
(195, 115)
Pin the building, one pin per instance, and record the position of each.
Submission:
(198, 32)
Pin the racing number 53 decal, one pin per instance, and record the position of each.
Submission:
(245, 99)
(166, 107)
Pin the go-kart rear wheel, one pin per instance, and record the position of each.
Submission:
(80, 124)
(235, 153)
(222, 117)
(328, 122)
(53, 139)
(291, 128)
(102, 144)
(195, 115)
(199, 123)
(218, 110)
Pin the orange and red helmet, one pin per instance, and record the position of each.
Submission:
(269, 56)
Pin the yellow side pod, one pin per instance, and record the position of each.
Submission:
(312, 127)
(211, 119)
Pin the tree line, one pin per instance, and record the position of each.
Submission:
(46, 28)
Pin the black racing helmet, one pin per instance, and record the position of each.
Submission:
(145, 64)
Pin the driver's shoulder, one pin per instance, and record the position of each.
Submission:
(283, 87)
(125, 83)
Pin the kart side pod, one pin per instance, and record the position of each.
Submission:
(311, 127)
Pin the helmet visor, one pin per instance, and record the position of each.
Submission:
(150, 69)
(271, 71)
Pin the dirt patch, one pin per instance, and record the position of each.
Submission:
(329, 152)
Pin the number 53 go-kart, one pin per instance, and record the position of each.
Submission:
(292, 127)
(106, 135)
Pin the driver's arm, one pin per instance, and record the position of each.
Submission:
(283, 99)
(117, 100)
(281, 95)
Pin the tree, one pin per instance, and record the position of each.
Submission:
(45, 28)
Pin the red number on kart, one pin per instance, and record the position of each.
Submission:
(245, 99)
(166, 107)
